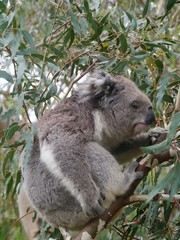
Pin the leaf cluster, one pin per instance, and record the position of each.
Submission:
(44, 45)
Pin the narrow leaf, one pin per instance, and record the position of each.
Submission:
(75, 23)
(29, 39)
(123, 42)
(170, 4)
(6, 76)
(146, 8)
(158, 148)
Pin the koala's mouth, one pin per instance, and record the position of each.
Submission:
(141, 127)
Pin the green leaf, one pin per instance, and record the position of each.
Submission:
(163, 82)
(52, 92)
(11, 131)
(9, 184)
(161, 147)
(104, 19)
(159, 64)
(29, 39)
(56, 51)
(8, 114)
(123, 42)
(1, 110)
(84, 25)
(6, 76)
(20, 72)
(2, 7)
(11, 18)
(119, 68)
(163, 28)
(146, 8)
(69, 37)
(111, 63)
(90, 18)
(9, 157)
(172, 179)
(175, 185)
(75, 23)
(170, 4)
(168, 99)
(20, 102)
(16, 183)
(41, 57)
(122, 25)
(86, 5)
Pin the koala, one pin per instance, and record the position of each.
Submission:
(74, 170)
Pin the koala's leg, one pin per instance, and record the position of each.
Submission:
(108, 175)
(31, 228)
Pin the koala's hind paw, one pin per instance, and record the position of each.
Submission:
(94, 205)
(131, 173)
(155, 133)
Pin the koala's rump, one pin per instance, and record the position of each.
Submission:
(49, 197)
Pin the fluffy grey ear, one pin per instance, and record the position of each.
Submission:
(97, 87)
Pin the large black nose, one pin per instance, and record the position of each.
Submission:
(150, 118)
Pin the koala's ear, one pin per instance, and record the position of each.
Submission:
(97, 87)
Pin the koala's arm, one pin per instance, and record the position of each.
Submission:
(130, 148)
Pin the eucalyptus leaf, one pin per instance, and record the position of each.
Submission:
(163, 82)
(9, 157)
(123, 42)
(75, 23)
(6, 76)
(147, 7)
(165, 145)
(171, 177)
(170, 4)
(8, 114)
(29, 39)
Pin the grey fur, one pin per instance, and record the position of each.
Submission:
(72, 175)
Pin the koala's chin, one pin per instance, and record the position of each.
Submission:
(141, 127)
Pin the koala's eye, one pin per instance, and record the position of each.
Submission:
(135, 104)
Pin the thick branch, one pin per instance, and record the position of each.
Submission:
(158, 197)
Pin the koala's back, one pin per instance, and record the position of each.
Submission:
(70, 118)
(64, 128)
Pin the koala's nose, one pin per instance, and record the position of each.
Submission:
(150, 118)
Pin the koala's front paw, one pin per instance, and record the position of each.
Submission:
(154, 133)
(131, 174)
(94, 204)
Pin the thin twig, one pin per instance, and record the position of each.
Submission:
(26, 111)
(15, 223)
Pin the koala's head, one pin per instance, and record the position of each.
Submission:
(119, 106)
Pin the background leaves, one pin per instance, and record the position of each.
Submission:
(45, 45)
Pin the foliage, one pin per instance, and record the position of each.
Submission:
(46, 44)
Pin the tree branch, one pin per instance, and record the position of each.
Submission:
(158, 197)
